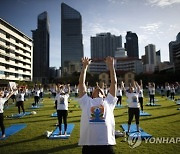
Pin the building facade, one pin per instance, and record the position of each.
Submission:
(15, 54)
(41, 49)
(71, 40)
(105, 44)
(131, 45)
(121, 64)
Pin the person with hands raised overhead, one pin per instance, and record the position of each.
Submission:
(97, 127)
(2, 102)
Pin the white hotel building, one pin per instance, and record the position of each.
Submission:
(16, 51)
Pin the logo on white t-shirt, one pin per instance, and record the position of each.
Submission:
(97, 114)
(61, 100)
(134, 99)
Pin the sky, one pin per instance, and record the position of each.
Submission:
(154, 21)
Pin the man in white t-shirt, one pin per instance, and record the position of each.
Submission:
(62, 107)
(97, 128)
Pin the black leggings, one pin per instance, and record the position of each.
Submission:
(98, 149)
(141, 102)
(62, 114)
(172, 95)
(167, 93)
(20, 104)
(119, 99)
(151, 99)
(36, 99)
(132, 112)
(2, 123)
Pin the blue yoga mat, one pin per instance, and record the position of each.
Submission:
(144, 114)
(178, 102)
(119, 106)
(54, 114)
(134, 133)
(55, 134)
(13, 129)
(20, 115)
(148, 104)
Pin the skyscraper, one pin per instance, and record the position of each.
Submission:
(71, 40)
(105, 44)
(131, 45)
(41, 49)
(174, 52)
(150, 52)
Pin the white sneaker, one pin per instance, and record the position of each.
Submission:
(3, 136)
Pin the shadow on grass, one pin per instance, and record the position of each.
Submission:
(23, 141)
(159, 107)
(52, 150)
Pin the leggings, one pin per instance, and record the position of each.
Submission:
(119, 99)
(98, 149)
(167, 93)
(152, 98)
(36, 99)
(62, 114)
(132, 112)
(2, 123)
(172, 95)
(141, 102)
(20, 104)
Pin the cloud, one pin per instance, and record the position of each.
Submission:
(162, 3)
(151, 28)
(117, 1)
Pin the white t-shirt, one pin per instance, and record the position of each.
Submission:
(36, 92)
(152, 91)
(141, 93)
(119, 92)
(97, 120)
(172, 90)
(62, 101)
(133, 101)
(20, 97)
(2, 101)
(167, 88)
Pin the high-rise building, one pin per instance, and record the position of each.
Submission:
(150, 52)
(15, 53)
(41, 49)
(174, 52)
(131, 45)
(158, 57)
(105, 44)
(150, 58)
(71, 40)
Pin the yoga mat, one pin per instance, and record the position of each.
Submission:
(55, 134)
(119, 106)
(134, 133)
(144, 114)
(19, 115)
(54, 114)
(13, 129)
(148, 104)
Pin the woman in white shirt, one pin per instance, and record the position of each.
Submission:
(97, 127)
(36, 95)
(119, 94)
(2, 101)
(172, 91)
(20, 99)
(151, 92)
(62, 107)
(133, 104)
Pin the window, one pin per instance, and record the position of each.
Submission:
(7, 36)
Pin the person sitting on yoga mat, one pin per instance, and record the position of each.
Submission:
(97, 127)
(133, 104)
(20, 99)
(2, 101)
(62, 106)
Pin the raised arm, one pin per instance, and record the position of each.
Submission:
(69, 89)
(82, 87)
(113, 86)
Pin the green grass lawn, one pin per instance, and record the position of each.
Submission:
(164, 122)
